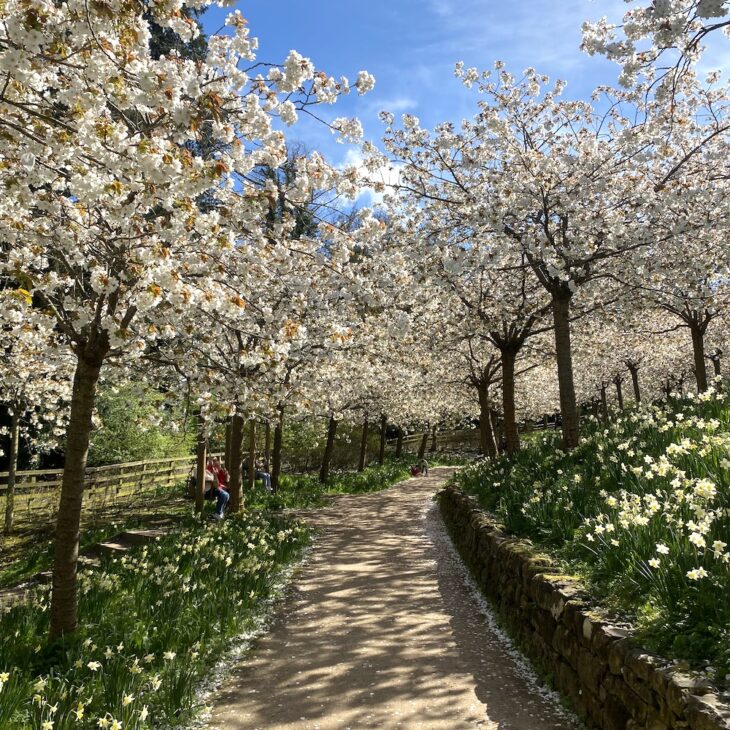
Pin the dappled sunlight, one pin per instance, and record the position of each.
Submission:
(381, 630)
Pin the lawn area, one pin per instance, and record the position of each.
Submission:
(302, 491)
(29, 550)
(641, 511)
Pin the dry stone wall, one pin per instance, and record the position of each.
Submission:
(611, 683)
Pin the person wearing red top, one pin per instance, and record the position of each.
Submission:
(222, 473)
(218, 489)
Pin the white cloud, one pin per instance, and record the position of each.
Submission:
(389, 175)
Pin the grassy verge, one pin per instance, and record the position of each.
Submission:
(30, 550)
(304, 491)
(153, 625)
(641, 511)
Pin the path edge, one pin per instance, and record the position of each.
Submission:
(609, 681)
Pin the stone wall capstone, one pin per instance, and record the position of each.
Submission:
(610, 681)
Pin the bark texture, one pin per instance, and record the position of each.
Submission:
(383, 434)
(363, 445)
(276, 455)
(236, 457)
(267, 447)
(511, 435)
(618, 382)
(251, 454)
(399, 444)
(201, 455)
(698, 348)
(12, 469)
(64, 595)
(227, 454)
(434, 431)
(324, 470)
(564, 356)
(422, 447)
(486, 438)
(634, 370)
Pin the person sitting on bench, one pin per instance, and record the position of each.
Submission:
(259, 473)
(214, 489)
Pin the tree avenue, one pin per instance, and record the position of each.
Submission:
(546, 259)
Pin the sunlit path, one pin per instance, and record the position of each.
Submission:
(382, 631)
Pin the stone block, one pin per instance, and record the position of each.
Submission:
(616, 654)
(707, 712)
(590, 670)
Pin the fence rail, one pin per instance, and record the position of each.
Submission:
(155, 472)
(112, 486)
(445, 440)
(36, 491)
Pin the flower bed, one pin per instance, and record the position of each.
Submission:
(152, 625)
(641, 511)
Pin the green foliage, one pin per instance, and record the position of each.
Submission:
(137, 425)
(304, 490)
(641, 509)
(153, 625)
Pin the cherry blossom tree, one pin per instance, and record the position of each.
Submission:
(100, 219)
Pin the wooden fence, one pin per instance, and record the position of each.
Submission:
(37, 491)
(463, 440)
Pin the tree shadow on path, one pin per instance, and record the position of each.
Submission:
(377, 634)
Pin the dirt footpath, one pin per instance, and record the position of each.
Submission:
(384, 629)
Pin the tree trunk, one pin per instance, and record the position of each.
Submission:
(604, 402)
(227, 454)
(698, 347)
(363, 445)
(267, 447)
(619, 393)
(236, 457)
(635, 381)
(422, 447)
(276, 457)
(434, 431)
(324, 471)
(512, 437)
(564, 356)
(64, 598)
(716, 364)
(251, 454)
(485, 427)
(201, 455)
(12, 468)
(497, 429)
(383, 434)
(399, 444)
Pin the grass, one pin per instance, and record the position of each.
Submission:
(30, 549)
(641, 511)
(154, 622)
(303, 491)
(152, 625)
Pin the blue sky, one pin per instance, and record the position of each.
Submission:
(411, 47)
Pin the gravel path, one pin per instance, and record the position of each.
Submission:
(384, 629)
